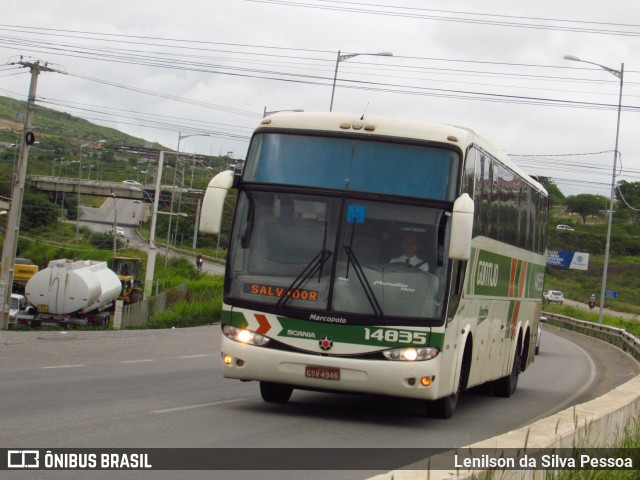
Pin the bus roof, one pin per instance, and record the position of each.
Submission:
(370, 125)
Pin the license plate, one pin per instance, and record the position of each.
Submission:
(322, 373)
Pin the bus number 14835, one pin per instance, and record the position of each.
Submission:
(402, 336)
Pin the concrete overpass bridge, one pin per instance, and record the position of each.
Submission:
(100, 188)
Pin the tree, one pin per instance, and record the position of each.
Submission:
(586, 204)
(628, 196)
(37, 210)
(556, 197)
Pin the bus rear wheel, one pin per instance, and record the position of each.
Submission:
(275, 392)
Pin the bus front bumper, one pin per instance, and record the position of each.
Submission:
(417, 379)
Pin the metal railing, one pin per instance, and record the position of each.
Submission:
(617, 337)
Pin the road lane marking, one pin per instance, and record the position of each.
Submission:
(194, 356)
(61, 366)
(201, 405)
(138, 361)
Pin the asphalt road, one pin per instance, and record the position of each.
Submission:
(163, 388)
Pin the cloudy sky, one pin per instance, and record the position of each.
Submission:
(158, 68)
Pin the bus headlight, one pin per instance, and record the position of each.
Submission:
(411, 354)
(244, 336)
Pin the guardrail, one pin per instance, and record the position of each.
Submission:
(617, 337)
(597, 422)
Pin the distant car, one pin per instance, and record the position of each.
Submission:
(131, 182)
(554, 296)
(565, 227)
(119, 231)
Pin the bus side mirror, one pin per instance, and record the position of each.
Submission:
(213, 202)
(461, 228)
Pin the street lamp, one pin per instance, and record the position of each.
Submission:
(342, 58)
(173, 192)
(180, 137)
(619, 74)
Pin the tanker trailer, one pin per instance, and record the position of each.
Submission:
(71, 292)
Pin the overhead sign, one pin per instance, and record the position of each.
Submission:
(568, 259)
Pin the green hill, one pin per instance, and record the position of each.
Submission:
(58, 131)
(72, 147)
(624, 261)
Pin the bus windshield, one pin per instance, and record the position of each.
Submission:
(411, 170)
(338, 255)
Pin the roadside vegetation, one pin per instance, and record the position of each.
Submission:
(587, 215)
(74, 148)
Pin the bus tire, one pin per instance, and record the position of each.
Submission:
(445, 407)
(275, 392)
(506, 386)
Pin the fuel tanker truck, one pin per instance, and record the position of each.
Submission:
(70, 292)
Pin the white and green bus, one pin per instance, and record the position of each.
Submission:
(316, 295)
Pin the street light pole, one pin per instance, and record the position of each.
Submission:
(342, 58)
(115, 224)
(78, 207)
(195, 231)
(619, 74)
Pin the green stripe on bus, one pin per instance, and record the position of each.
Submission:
(372, 335)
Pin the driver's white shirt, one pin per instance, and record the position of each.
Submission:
(412, 261)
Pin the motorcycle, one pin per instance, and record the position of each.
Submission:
(592, 303)
(199, 262)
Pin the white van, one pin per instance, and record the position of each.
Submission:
(565, 227)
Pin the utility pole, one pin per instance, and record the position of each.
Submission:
(13, 221)
(151, 257)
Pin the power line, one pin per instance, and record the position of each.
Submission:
(462, 17)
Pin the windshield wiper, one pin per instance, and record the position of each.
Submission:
(308, 271)
(368, 291)
(315, 265)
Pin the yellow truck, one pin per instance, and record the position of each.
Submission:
(23, 270)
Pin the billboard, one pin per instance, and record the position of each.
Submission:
(568, 259)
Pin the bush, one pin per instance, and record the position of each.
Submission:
(202, 307)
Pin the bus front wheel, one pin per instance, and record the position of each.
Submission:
(443, 407)
(275, 392)
(506, 386)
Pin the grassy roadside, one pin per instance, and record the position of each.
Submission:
(630, 441)
(631, 326)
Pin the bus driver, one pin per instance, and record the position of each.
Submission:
(410, 246)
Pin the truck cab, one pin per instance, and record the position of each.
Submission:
(129, 271)
(17, 305)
